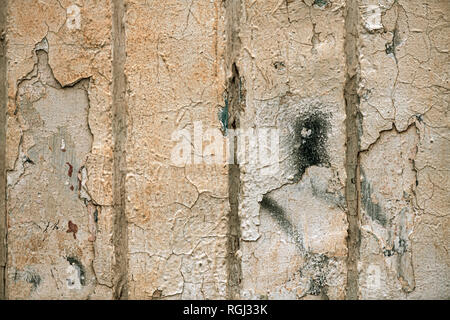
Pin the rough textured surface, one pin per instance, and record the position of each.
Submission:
(115, 190)
(294, 82)
(3, 102)
(177, 215)
(59, 151)
(404, 142)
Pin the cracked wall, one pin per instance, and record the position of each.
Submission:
(404, 147)
(98, 95)
(59, 153)
(44, 190)
(177, 214)
(293, 221)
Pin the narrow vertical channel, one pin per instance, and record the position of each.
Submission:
(352, 145)
(119, 128)
(3, 107)
(234, 102)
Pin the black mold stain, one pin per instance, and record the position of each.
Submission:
(33, 278)
(74, 261)
(273, 207)
(279, 65)
(316, 268)
(373, 210)
(388, 252)
(96, 215)
(29, 276)
(28, 160)
(317, 285)
(402, 246)
(278, 214)
(389, 48)
(310, 142)
(399, 249)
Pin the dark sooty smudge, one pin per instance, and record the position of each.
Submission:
(310, 137)
(279, 215)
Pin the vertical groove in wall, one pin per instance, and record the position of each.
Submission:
(352, 145)
(233, 103)
(119, 128)
(3, 104)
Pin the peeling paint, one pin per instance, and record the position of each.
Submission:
(356, 207)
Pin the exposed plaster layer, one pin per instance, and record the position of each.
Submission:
(404, 106)
(44, 195)
(302, 249)
(45, 93)
(292, 66)
(74, 54)
(388, 216)
(177, 213)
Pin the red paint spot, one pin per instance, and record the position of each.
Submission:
(70, 169)
(79, 180)
(72, 228)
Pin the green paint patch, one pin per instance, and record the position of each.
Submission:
(223, 118)
(320, 3)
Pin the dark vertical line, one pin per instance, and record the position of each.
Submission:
(234, 234)
(119, 132)
(3, 107)
(234, 101)
(352, 147)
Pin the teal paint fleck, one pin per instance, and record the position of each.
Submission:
(223, 118)
(320, 3)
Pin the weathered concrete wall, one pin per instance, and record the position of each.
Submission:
(293, 218)
(177, 212)
(404, 149)
(254, 149)
(59, 150)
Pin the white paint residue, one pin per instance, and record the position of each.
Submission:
(73, 277)
(373, 277)
(372, 17)
(73, 21)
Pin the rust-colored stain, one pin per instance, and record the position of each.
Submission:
(79, 180)
(69, 173)
(72, 228)
(71, 188)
